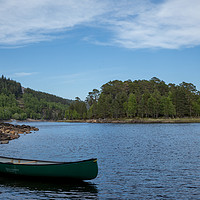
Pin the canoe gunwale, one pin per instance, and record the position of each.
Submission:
(43, 161)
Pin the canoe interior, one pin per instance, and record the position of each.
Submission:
(25, 161)
(6, 160)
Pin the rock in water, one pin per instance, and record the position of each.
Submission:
(11, 132)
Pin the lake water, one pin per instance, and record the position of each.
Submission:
(136, 161)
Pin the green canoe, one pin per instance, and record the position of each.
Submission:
(81, 170)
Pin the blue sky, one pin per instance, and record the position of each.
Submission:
(70, 47)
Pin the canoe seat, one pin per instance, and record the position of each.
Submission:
(19, 162)
(27, 162)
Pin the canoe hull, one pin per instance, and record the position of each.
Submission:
(82, 170)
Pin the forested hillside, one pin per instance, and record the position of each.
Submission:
(8, 87)
(19, 103)
(117, 99)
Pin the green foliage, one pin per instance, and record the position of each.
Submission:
(167, 107)
(18, 116)
(77, 110)
(5, 113)
(143, 109)
(196, 107)
(92, 97)
(8, 87)
(41, 109)
(117, 99)
(131, 106)
(47, 97)
(31, 104)
(143, 98)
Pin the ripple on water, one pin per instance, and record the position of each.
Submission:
(136, 161)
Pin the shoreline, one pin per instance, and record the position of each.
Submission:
(120, 120)
(137, 121)
(9, 131)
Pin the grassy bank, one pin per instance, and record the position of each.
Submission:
(138, 120)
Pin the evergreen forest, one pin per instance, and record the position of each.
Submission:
(116, 100)
(144, 99)
(19, 103)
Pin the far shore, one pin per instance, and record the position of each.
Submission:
(9, 131)
(138, 120)
(123, 120)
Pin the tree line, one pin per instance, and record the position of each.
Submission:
(117, 99)
(145, 99)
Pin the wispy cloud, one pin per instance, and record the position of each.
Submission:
(83, 76)
(29, 21)
(172, 24)
(22, 74)
(133, 24)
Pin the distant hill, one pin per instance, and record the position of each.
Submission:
(48, 97)
(8, 86)
(22, 103)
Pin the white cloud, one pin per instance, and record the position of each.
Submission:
(22, 74)
(131, 23)
(172, 24)
(30, 21)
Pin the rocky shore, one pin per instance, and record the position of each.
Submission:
(10, 132)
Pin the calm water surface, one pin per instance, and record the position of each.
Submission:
(136, 161)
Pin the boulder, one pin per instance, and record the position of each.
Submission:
(4, 142)
(10, 131)
(12, 137)
(27, 132)
(7, 131)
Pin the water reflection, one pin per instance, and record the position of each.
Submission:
(12, 188)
